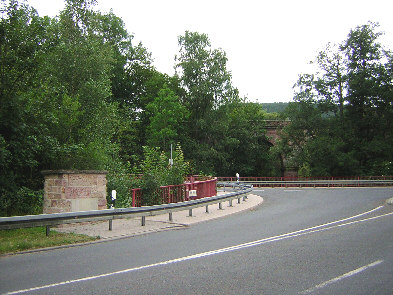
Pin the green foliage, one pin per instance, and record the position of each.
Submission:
(203, 74)
(304, 170)
(341, 120)
(225, 135)
(244, 141)
(77, 94)
(179, 169)
(22, 201)
(57, 108)
(167, 116)
(118, 178)
(150, 190)
(156, 171)
(275, 107)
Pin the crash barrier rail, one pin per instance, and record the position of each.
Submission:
(179, 193)
(50, 220)
(314, 182)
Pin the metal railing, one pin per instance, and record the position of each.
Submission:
(49, 220)
(314, 182)
(180, 192)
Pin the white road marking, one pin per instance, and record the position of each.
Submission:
(346, 275)
(292, 190)
(302, 232)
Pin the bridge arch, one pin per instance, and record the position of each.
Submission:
(273, 133)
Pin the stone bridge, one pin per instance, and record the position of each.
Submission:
(273, 128)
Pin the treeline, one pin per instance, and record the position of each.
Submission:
(77, 93)
(275, 107)
(342, 115)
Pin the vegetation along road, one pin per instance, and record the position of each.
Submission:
(299, 241)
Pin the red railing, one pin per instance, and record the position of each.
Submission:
(136, 195)
(180, 193)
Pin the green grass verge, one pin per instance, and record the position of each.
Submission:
(15, 240)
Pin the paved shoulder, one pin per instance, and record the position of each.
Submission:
(181, 219)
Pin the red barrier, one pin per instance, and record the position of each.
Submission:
(207, 188)
(136, 194)
(179, 193)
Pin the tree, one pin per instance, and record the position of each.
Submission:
(167, 116)
(243, 146)
(330, 83)
(74, 75)
(56, 112)
(207, 84)
(370, 89)
(203, 74)
(343, 112)
(22, 34)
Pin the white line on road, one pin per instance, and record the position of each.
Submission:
(346, 275)
(302, 232)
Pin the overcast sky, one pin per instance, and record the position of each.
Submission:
(268, 43)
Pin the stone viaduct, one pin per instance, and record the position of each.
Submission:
(273, 129)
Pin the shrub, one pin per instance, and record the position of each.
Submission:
(23, 201)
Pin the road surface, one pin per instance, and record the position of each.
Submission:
(299, 241)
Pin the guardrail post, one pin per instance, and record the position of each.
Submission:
(170, 216)
(238, 200)
(220, 206)
(190, 212)
(143, 220)
(207, 208)
(47, 230)
(230, 203)
(110, 224)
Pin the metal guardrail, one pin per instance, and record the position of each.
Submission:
(49, 220)
(321, 183)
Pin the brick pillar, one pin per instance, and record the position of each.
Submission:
(71, 191)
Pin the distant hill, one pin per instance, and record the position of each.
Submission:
(274, 107)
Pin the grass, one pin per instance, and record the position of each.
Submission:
(15, 240)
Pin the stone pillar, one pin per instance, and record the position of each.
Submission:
(71, 191)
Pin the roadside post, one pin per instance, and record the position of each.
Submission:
(112, 207)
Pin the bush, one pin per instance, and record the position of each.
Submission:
(119, 179)
(150, 190)
(23, 201)
(155, 171)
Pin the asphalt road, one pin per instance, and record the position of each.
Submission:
(299, 241)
